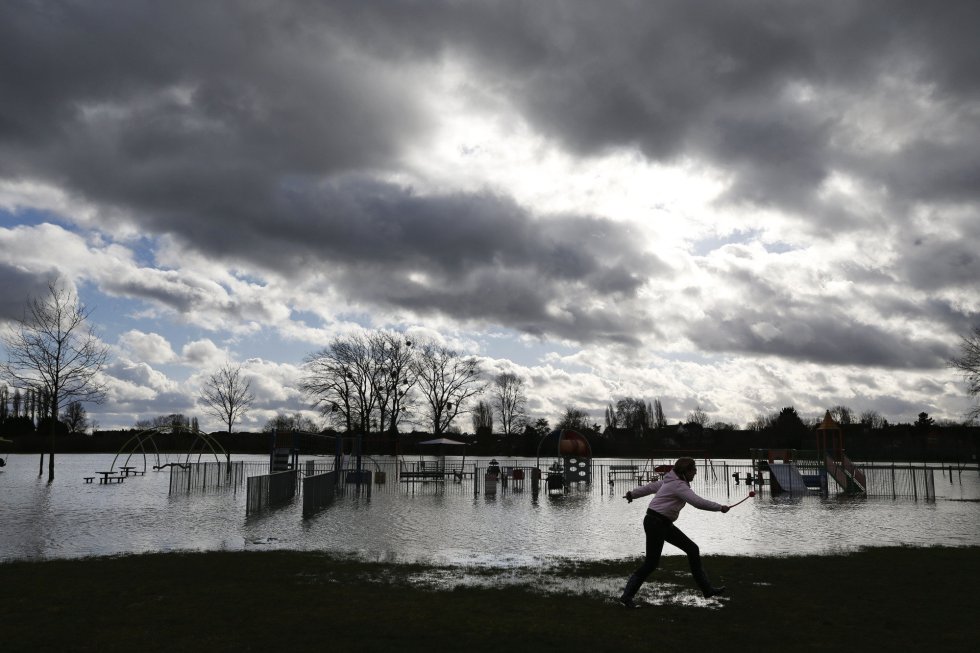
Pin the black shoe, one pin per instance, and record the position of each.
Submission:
(714, 591)
(627, 602)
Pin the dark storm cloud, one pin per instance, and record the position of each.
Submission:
(176, 111)
(773, 319)
(262, 85)
(17, 287)
(476, 257)
(938, 261)
(237, 133)
(833, 339)
(252, 130)
(719, 81)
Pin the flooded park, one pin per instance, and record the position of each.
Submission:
(394, 511)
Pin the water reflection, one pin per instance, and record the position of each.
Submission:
(452, 525)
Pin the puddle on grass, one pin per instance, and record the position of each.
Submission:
(669, 589)
(658, 591)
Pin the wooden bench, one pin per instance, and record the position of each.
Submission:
(89, 479)
(422, 475)
(623, 470)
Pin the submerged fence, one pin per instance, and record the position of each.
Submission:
(191, 477)
(318, 491)
(898, 480)
(321, 482)
(269, 490)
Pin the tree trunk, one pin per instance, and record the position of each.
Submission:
(40, 467)
(54, 429)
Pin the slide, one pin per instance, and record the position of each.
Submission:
(786, 477)
(847, 475)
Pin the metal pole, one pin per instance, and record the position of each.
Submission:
(338, 456)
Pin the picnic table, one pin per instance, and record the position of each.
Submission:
(422, 475)
(423, 471)
(107, 477)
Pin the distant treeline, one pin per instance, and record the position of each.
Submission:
(902, 442)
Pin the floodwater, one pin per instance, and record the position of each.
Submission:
(450, 524)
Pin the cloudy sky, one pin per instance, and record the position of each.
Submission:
(742, 206)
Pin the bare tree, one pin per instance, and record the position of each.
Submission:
(842, 414)
(763, 422)
(391, 375)
(176, 422)
(296, 422)
(611, 420)
(574, 419)
(75, 417)
(446, 380)
(360, 380)
(697, 416)
(659, 420)
(54, 349)
(968, 363)
(873, 420)
(631, 413)
(339, 382)
(227, 394)
(509, 401)
(722, 425)
(483, 417)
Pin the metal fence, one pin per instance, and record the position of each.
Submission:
(269, 490)
(203, 477)
(456, 476)
(897, 480)
(915, 481)
(318, 491)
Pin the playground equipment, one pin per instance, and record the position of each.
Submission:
(799, 471)
(186, 472)
(575, 453)
(830, 447)
(318, 486)
(286, 446)
(138, 445)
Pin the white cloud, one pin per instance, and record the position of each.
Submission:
(148, 347)
(203, 353)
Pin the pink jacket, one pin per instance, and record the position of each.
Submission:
(671, 495)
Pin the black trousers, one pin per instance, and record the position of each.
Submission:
(659, 530)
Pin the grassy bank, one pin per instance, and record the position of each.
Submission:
(880, 599)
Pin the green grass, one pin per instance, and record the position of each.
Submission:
(878, 599)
